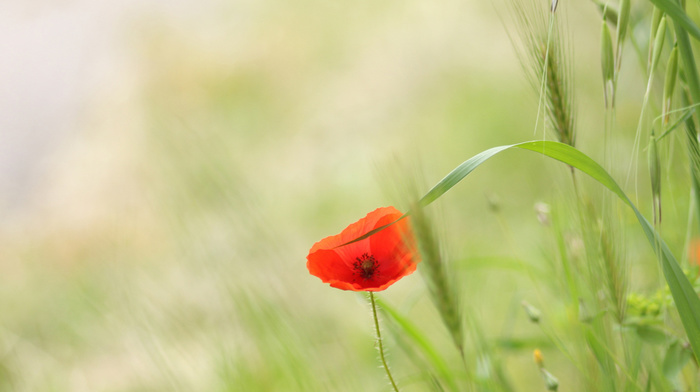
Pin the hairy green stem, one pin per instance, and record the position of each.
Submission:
(379, 341)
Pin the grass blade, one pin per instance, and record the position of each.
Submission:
(456, 175)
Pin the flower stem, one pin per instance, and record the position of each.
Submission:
(379, 342)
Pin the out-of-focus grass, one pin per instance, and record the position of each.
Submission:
(166, 250)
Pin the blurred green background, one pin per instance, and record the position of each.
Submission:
(167, 166)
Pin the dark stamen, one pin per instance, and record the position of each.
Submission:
(365, 266)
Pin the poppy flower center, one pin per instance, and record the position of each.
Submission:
(365, 265)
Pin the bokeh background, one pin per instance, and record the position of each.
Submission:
(165, 167)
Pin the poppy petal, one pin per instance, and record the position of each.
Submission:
(355, 230)
(330, 267)
(395, 246)
(371, 264)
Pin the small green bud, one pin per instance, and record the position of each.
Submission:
(551, 382)
(669, 83)
(532, 312)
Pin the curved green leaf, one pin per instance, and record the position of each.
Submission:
(458, 174)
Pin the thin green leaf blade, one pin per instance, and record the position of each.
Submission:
(456, 175)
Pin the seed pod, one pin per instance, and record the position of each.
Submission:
(655, 21)
(658, 44)
(669, 83)
(655, 174)
(553, 6)
(551, 382)
(609, 13)
(623, 22)
(654, 166)
(607, 62)
(533, 313)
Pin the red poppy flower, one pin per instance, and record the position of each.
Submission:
(371, 264)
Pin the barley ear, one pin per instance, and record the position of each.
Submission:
(434, 270)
